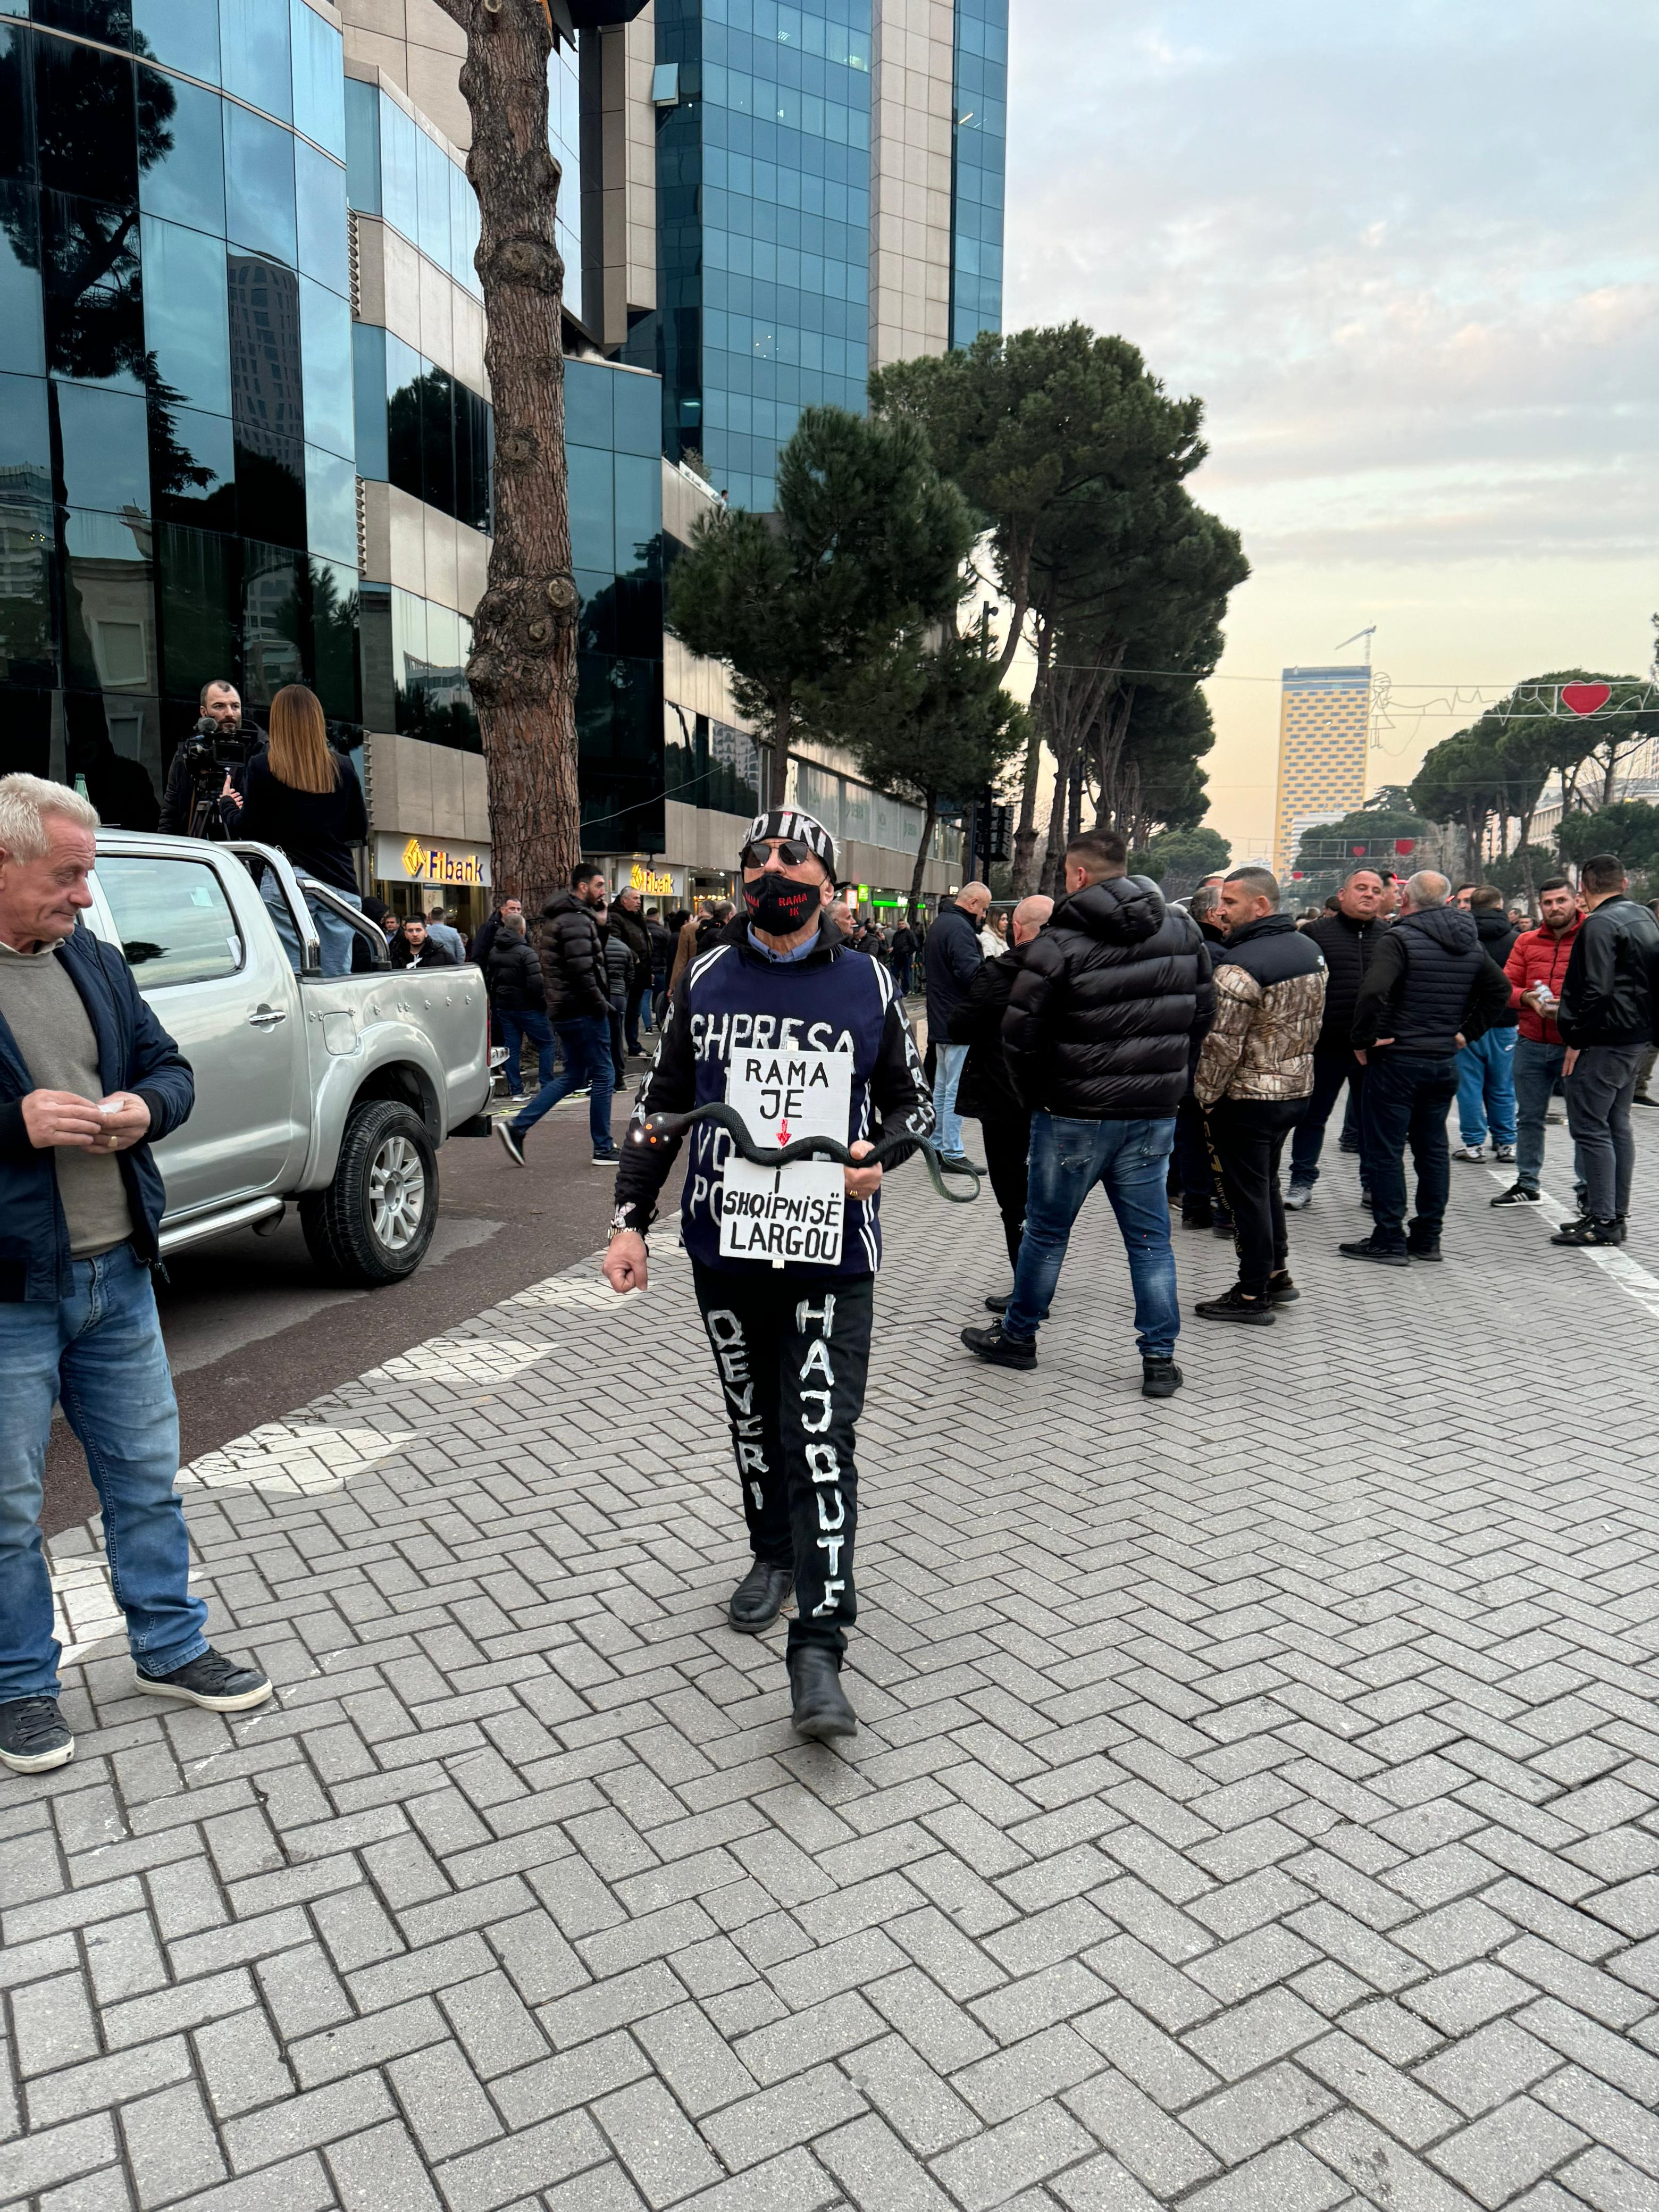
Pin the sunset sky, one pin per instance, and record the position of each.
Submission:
(1409, 256)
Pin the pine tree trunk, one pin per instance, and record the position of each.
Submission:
(783, 725)
(920, 868)
(1025, 837)
(523, 668)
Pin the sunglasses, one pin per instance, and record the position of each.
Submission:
(792, 851)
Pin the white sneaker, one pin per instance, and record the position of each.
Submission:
(1298, 1196)
(1470, 1152)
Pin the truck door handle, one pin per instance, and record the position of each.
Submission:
(266, 1018)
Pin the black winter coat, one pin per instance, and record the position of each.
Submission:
(431, 954)
(1110, 1002)
(954, 954)
(986, 1090)
(635, 933)
(1498, 935)
(1427, 982)
(572, 954)
(1610, 992)
(1347, 945)
(514, 976)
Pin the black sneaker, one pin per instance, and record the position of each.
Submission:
(1234, 1305)
(32, 1736)
(218, 1684)
(1281, 1291)
(998, 1350)
(1382, 1253)
(1159, 1378)
(1592, 1229)
(1223, 1226)
(1416, 1251)
(1197, 1214)
(505, 1131)
(1517, 1194)
(607, 1158)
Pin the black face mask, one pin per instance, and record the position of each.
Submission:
(778, 905)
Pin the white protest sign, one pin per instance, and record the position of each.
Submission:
(777, 1215)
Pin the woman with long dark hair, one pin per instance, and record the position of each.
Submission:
(305, 799)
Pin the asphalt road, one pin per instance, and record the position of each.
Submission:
(251, 1332)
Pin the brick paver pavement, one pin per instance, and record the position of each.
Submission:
(1254, 1805)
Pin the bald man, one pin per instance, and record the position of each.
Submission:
(954, 958)
(985, 1091)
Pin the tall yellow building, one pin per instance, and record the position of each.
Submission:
(1324, 729)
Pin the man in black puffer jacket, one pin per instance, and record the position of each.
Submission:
(1429, 989)
(512, 976)
(1347, 939)
(1110, 1002)
(572, 955)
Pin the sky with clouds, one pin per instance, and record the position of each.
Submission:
(1408, 253)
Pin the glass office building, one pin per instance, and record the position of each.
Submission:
(177, 487)
(979, 136)
(763, 209)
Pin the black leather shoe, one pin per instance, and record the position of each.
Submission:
(1159, 1378)
(1001, 1351)
(1380, 1253)
(819, 1706)
(1197, 1214)
(997, 1306)
(1423, 1251)
(758, 1598)
(1233, 1305)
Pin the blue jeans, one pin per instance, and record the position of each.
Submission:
(99, 1350)
(949, 1062)
(336, 937)
(515, 1028)
(1537, 1072)
(1485, 1088)
(586, 1043)
(1407, 1095)
(1131, 1160)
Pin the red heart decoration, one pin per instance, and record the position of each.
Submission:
(1585, 698)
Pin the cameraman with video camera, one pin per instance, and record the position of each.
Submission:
(204, 797)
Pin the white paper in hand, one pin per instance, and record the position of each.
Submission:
(777, 1215)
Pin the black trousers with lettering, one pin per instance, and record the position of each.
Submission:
(791, 1347)
(1249, 1136)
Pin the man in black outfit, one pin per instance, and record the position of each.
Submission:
(1428, 989)
(1610, 997)
(954, 954)
(1347, 939)
(1255, 1072)
(416, 946)
(985, 1091)
(1203, 1203)
(220, 702)
(628, 921)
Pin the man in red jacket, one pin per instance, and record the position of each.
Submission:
(1537, 968)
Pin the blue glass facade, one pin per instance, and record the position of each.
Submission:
(177, 487)
(763, 209)
(979, 138)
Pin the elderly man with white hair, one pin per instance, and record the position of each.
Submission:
(87, 1079)
(1428, 990)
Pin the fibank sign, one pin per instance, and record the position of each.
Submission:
(431, 861)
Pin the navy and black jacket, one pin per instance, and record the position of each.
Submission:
(135, 1053)
(731, 997)
(1428, 983)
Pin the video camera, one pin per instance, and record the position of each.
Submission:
(212, 750)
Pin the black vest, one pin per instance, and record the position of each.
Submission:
(1442, 952)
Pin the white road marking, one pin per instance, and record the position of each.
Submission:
(1613, 1260)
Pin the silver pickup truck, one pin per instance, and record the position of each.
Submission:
(333, 1092)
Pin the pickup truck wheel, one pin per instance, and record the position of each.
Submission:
(374, 1221)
